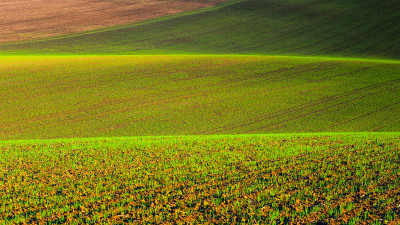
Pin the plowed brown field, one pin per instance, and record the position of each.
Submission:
(29, 19)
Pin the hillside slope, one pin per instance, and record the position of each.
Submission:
(69, 96)
(343, 28)
(32, 19)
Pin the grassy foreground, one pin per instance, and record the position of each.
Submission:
(88, 96)
(326, 178)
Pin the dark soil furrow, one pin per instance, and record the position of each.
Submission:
(280, 123)
(301, 107)
(363, 115)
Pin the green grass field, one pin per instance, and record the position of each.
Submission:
(296, 178)
(89, 96)
(253, 111)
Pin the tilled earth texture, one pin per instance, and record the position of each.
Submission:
(30, 19)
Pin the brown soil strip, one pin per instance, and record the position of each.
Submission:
(31, 19)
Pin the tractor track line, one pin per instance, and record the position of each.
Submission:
(300, 107)
(281, 123)
(361, 116)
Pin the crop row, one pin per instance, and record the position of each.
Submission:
(325, 178)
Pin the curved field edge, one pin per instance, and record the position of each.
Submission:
(116, 27)
(336, 28)
(89, 96)
(345, 178)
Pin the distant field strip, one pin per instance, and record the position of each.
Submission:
(86, 96)
(340, 178)
(26, 20)
(342, 28)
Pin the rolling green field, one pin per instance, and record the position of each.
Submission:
(252, 111)
(89, 96)
(357, 28)
(297, 178)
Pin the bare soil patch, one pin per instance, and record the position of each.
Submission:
(30, 19)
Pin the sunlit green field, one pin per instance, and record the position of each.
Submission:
(297, 178)
(344, 178)
(196, 118)
(88, 96)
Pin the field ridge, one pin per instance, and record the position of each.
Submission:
(247, 27)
